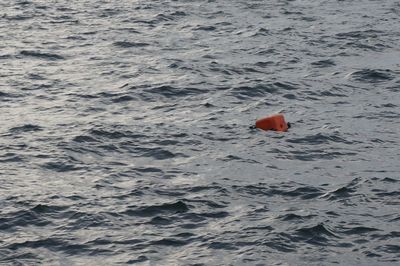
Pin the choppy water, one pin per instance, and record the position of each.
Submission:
(124, 132)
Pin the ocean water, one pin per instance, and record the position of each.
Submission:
(125, 139)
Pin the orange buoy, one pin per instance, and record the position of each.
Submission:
(274, 122)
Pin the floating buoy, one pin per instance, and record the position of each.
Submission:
(274, 122)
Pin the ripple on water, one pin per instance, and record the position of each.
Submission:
(125, 140)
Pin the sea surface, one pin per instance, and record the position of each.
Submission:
(125, 132)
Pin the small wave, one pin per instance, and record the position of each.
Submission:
(169, 242)
(215, 188)
(290, 12)
(342, 192)
(372, 75)
(79, 220)
(331, 93)
(255, 91)
(307, 192)
(318, 139)
(264, 63)
(394, 194)
(4, 94)
(125, 98)
(11, 157)
(9, 97)
(315, 235)
(289, 96)
(179, 13)
(26, 128)
(148, 170)
(19, 17)
(175, 207)
(236, 158)
(158, 220)
(397, 219)
(359, 34)
(53, 243)
(208, 203)
(286, 85)
(158, 153)
(170, 92)
(205, 28)
(294, 217)
(137, 260)
(270, 51)
(64, 19)
(36, 77)
(388, 236)
(389, 105)
(223, 245)
(359, 230)
(84, 138)
(308, 19)
(315, 154)
(219, 214)
(323, 63)
(395, 249)
(304, 192)
(163, 17)
(5, 56)
(170, 193)
(59, 166)
(22, 218)
(281, 244)
(366, 47)
(46, 56)
(108, 96)
(113, 134)
(390, 180)
(48, 209)
(24, 3)
(262, 32)
(125, 44)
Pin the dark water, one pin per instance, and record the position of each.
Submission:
(124, 132)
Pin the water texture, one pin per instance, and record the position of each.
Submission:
(125, 139)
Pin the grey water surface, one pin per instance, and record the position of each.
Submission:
(125, 139)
